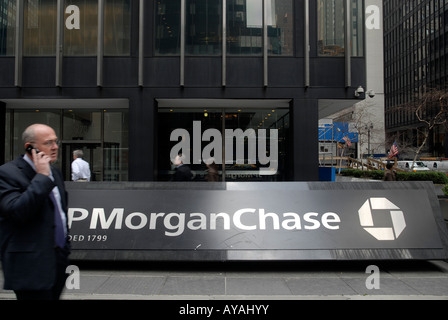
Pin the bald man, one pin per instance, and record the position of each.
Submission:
(34, 247)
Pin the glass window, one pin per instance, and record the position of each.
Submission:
(116, 145)
(204, 31)
(81, 28)
(117, 27)
(185, 120)
(265, 157)
(244, 27)
(331, 26)
(280, 27)
(102, 135)
(254, 146)
(357, 32)
(7, 27)
(167, 27)
(40, 20)
(81, 125)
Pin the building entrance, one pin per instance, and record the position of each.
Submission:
(247, 140)
(97, 127)
(92, 154)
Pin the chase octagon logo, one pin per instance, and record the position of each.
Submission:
(380, 233)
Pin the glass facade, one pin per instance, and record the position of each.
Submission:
(281, 28)
(117, 27)
(167, 27)
(415, 61)
(245, 27)
(203, 30)
(204, 25)
(416, 42)
(87, 129)
(7, 27)
(331, 28)
(80, 24)
(230, 136)
(357, 28)
(81, 28)
(40, 21)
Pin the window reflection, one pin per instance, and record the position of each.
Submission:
(40, 20)
(244, 27)
(117, 27)
(331, 39)
(167, 28)
(116, 145)
(81, 40)
(80, 24)
(81, 125)
(7, 27)
(331, 27)
(204, 23)
(280, 27)
(357, 22)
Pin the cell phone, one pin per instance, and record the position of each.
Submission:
(30, 147)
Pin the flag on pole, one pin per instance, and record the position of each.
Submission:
(347, 140)
(393, 150)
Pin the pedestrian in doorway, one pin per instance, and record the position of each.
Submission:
(80, 167)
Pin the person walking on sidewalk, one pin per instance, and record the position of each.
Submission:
(34, 246)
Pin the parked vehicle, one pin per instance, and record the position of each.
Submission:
(437, 165)
(418, 166)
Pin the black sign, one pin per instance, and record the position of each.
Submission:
(242, 219)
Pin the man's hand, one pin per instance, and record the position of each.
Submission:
(42, 162)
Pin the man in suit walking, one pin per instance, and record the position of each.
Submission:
(33, 221)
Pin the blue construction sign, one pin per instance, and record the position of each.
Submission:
(337, 132)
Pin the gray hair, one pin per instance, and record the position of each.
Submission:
(78, 153)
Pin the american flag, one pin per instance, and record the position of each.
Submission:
(393, 150)
(347, 141)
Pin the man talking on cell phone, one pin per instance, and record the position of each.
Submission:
(33, 222)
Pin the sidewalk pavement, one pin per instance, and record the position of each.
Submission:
(323, 280)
